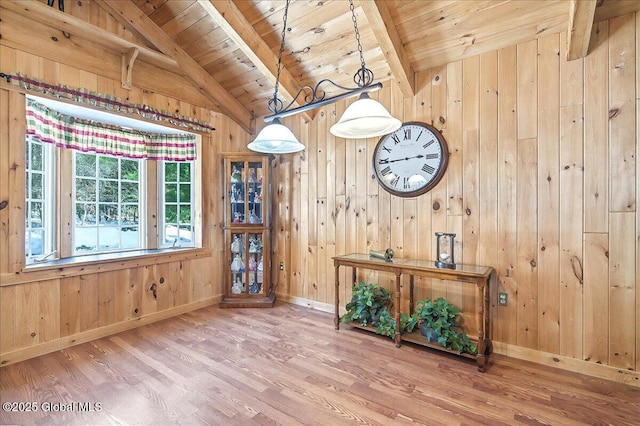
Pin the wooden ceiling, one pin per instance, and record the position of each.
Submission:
(228, 49)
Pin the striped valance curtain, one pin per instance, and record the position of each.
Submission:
(66, 131)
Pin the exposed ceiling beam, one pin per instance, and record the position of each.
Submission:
(379, 17)
(612, 9)
(240, 30)
(581, 13)
(135, 19)
(51, 16)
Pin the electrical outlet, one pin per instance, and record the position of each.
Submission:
(503, 299)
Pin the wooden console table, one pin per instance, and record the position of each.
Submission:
(481, 276)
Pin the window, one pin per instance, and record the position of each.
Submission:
(177, 226)
(107, 203)
(39, 200)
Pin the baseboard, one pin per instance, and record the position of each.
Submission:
(544, 358)
(89, 335)
(318, 306)
(570, 364)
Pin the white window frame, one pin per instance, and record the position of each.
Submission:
(48, 200)
(142, 190)
(61, 203)
(162, 204)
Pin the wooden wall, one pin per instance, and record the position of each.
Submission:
(542, 184)
(47, 309)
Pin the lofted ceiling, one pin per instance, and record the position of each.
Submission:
(228, 49)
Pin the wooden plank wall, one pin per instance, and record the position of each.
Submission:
(542, 184)
(48, 310)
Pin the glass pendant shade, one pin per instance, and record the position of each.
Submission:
(276, 138)
(365, 118)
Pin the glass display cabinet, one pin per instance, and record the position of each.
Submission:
(247, 232)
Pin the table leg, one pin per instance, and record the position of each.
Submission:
(480, 312)
(410, 294)
(487, 316)
(397, 303)
(336, 320)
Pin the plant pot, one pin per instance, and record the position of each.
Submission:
(429, 333)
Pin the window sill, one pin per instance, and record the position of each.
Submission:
(80, 265)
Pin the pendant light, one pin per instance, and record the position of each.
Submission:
(275, 137)
(365, 118)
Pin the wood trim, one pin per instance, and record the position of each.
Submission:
(379, 17)
(568, 363)
(44, 273)
(16, 181)
(64, 202)
(612, 9)
(51, 17)
(4, 177)
(240, 30)
(301, 301)
(152, 231)
(11, 87)
(135, 19)
(86, 336)
(581, 13)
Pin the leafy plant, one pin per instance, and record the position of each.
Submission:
(387, 324)
(368, 302)
(442, 319)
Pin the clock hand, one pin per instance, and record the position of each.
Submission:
(386, 161)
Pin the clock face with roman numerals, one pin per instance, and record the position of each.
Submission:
(411, 160)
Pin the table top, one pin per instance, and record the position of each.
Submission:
(411, 266)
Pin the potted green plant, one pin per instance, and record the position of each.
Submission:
(368, 302)
(387, 324)
(439, 322)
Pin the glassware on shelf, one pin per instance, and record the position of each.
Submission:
(237, 217)
(253, 265)
(260, 265)
(252, 176)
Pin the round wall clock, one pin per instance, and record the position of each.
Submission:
(411, 160)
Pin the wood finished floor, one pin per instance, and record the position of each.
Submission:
(287, 365)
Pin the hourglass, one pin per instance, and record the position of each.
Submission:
(444, 248)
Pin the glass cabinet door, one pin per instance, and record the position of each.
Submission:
(246, 263)
(238, 262)
(254, 193)
(245, 194)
